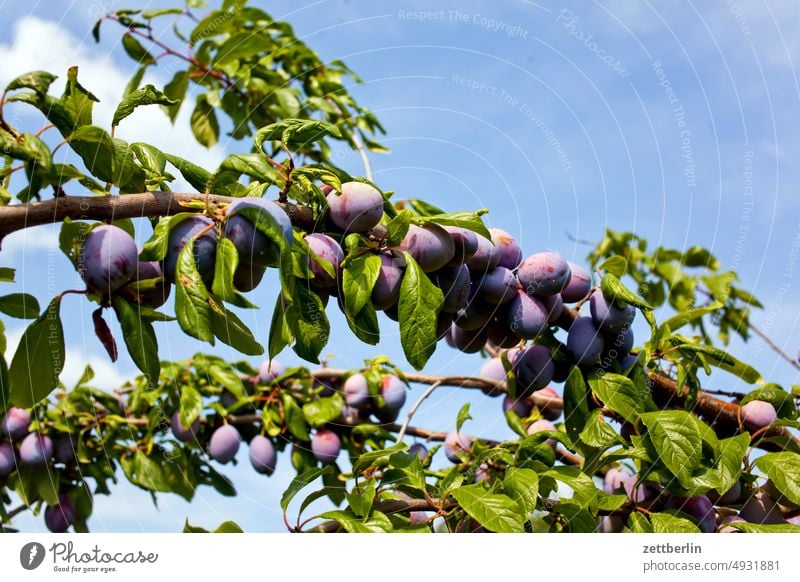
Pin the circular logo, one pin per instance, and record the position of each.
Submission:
(31, 555)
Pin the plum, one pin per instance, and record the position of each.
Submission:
(15, 423)
(393, 392)
(455, 284)
(584, 342)
(224, 443)
(324, 247)
(554, 306)
(431, 246)
(358, 208)
(325, 445)
(783, 502)
(36, 449)
(758, 414)
(485, 257)
(108, 259)
(608, 316)
(507, 248)
(482, 473)
(262, 455)
(619, 345)
(533, 369)
(614, 480)
(493, 370)
(550, 411)
(456, 444)
(443, 323)
(419, 450)
(761, 508)
(639, 491)
(544, 274)
(8, 459)
(522, 407)
(527, 316)
(247, 277)
(725, 524)
(386, 291)
(205, 247)
(611, 524)
(475, 315)
(498, 286)
(356, 391)
(499, 334)
(158, 295)
(63, 449)
(270, 370)
(542, 425)
(465, 242)
(730, 496)
(580, 283)
(468, 341)
(59, 517)
(699, 508)
(252, 245)
(180, 432)
(627, 363)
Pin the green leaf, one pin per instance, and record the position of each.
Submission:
(224, 527)
(614, 290)
(619, 393)
(667, 523)
(7, 274)
(147, 15)
(136, 51)
(599, 434)
(397, 228)
(192, 173)
(279, 334)
(77, 100)
(522, 485)
(232, 331)
(463, 416)
(469, 220)
(369, 459)
(205, 126)
(420, 303)
(615, 264)
(140, 339)
(577, 517)
(147, 95)
(495, 512)
(191, 405)
(20, 305)
(295, 419)
(227, 261)
(729, 467)
(323, 410)
(295, 132)
(423, 208)
(97, 150)
(676, 322)
(308, 323)
(677, 440)
(724, 361)
(39, 358)
(358, 278)
(784, 470)
(746, 527)
(176, 91)
(192, 307)
(38, 81)
(155, 249)
(638, 523)
(302, 480)
(576, 405)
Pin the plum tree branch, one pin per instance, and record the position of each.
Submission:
(146, 204)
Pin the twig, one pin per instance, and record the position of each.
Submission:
(774, 346)
(402, 432)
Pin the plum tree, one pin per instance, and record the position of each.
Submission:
(108, 259)
(201, 230)
(584, 342)
(36, 449)
(263, 456)
(430, 245)
(8, 459)
(759, 414)
(326, 248)
(224, 443)
(356, 391)
(275, 200)
(544, 274)
(183, 433)
(326, 445)
(357, 208)
(15, 423)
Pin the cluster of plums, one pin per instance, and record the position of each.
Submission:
(20, 447)
(712, 512)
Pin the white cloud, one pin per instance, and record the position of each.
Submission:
(45, 45)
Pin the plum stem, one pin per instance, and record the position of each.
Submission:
(414, 408)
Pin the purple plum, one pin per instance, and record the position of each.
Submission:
(224, 443)
(248, 277)
(498, 286)
(527, 316)
(608, 316)
(419, 450)
(36, 449)
(108, 259)
(205, 247)
(468, 341)
(615, 479)
(761, 508)
(758, 414)
(358, 208)
(455, 284)
(386, 291)
(465, 242)
(580, 283)
(550, 411)
(544, 274)
(533, 369)
(181, 432)
(699, 508)
(59, 517)
(158, 295)
(456, 444)
(431, 246)
(356, 391)
(507, 248)
(325, 444)
(15, 423)
(324, 247)
(8, 459)
(522, 407)
(252, 245)
(270, 370)
(262, 455)
(393, 391)
(584, 342)
(485, 257)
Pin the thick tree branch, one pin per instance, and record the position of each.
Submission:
(147, 204)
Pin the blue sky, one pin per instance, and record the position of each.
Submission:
(674, 120)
